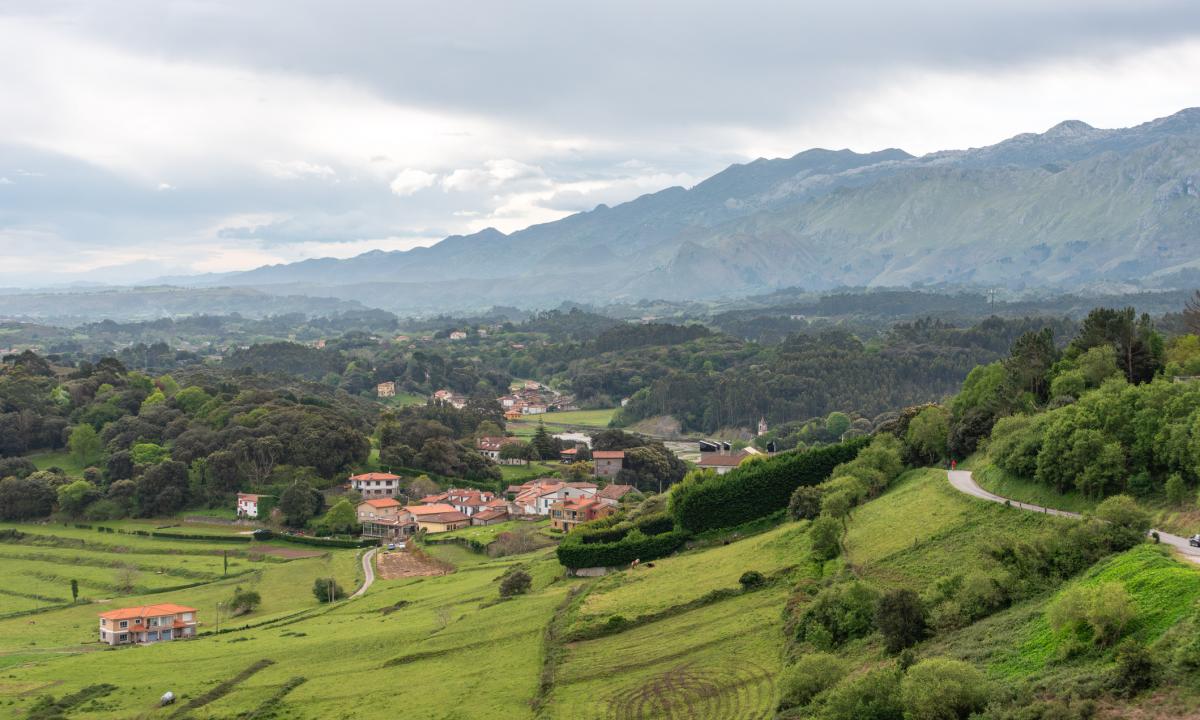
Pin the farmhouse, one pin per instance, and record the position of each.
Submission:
(386, 389)
(438, 517)
(250, 505)
(458, 335)
(566, 515)
(490, 516)
(376, 484)
(612, 494)
(446, 396)
(468, 502)
(385, 518)
(489, 447)
(608, 462)
(147, 624)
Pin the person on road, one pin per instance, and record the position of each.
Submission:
(953, 464)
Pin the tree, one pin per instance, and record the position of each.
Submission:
(299, 504)
(1191, 314)
(805, 503)
(836, 424)
(148, 453)
(516, 582)
(752, 579)
(943, 689)
(1177, 492)
(839, 613)
(420, 487)
(85, 445)
(547, 447)
(244, 601)
(873, 695)
(1030, 360)
(25, 498)
(341, 517)
(1139, 349)
(927, 435)
(902, 618)
(162, 489)
(1135, 670)
(825, 537)
(74, 590)
(327, 590)
(74, 497)
(1123, 512)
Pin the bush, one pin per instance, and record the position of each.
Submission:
(1135, 670)
(902, 618)
(825, 537)
(837, 614)
(942, 689)
(1123, 512)
(707, 501)
(809, 676)
(244, 601)
(327, 589)
(1099, 613)
(517, 582)
(874, 695)
(752, 579)
(574, 552)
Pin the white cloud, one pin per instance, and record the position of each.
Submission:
(493, 174)
(5, 181)
(296, 169)
(410, 181)
(165, 187)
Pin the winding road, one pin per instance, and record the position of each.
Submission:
(963, 482)
(368, 573)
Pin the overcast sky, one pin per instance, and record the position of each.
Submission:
(144, 138)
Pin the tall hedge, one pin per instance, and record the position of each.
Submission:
(634, 546)
(708, 502)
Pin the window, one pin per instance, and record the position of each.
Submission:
(123, 637)
(124, 624)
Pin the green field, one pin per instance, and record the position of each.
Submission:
(61, 459)
(487, 533)
(516, 474)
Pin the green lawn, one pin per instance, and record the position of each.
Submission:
(995, 480)
(516, 474)
(61, 459)
(488, 533)
(584, 418)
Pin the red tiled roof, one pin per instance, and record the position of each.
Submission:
(146, 611)
(382, 502)
(422, 511)
(720, 460)
(375, 476)
(444, 517)
(491, 514)
(615, 492)
(608, 454)
(495, 443)
(569, 451)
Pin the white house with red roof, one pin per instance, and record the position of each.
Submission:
(250, 505)
(376, 484)
(147, 624)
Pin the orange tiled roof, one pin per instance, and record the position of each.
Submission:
(375, 476)
(383, 502)
(146, 611)
(608, 454)
(434, 509)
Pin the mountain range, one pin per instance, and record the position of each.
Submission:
(1073, 208)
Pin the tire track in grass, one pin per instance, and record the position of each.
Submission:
(222, 689)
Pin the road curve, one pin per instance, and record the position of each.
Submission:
(963, 482)
(368, 572)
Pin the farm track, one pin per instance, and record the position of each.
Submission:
(964, 482)
(685, 693)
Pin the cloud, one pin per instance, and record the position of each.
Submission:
(6, 181)
(296, 169)
(409, 181)
(165, 187)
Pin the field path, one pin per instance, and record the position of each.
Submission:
(368, 572)
(964, 482)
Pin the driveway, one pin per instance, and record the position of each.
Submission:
(963, 482)
(368, 572)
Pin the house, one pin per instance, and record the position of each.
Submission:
(446, 396)
(458, 335)
(250, 505)
(376, 484)
(534, 408)
(566, 515)
(378, 509)
(762, 426)
(536, 496)
(722, 462)
(386, 389)
(438, 517)
(490, 447)
(568, 456)
(612, 494)
(608, 462)
(490, 516)
(147, 624)
(468, 502)
(512, 414)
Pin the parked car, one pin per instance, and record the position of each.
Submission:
(1194, 541)
(391, 546)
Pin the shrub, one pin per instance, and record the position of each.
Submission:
(1123, 512)
(574, 552)
(244, 601)
(1100, 613)
(902, 618)
(707, 501)
(517, 582)
(1135, 670)
(1177, 492)
(805, 503)
(327, 589)
(809, 676)
(752, 579)
(825, 537)
(837, 614)
(874, 695)
(942, 689)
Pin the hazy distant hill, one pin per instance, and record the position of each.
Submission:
(1070, 208)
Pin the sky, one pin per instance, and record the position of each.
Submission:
(150, 138)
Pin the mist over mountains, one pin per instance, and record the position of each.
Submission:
(1073, 208)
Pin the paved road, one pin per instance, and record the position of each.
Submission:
(963, 482)
(368, 572)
